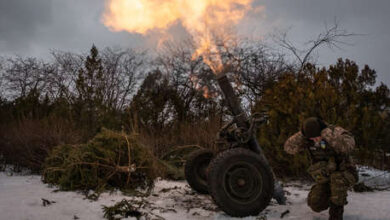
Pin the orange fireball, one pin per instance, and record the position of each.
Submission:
(201, 18)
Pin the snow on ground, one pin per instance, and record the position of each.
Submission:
(374, 177)
(21, 199)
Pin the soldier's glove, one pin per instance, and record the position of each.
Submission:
(350, 172)
(318, 172)
(321, 171)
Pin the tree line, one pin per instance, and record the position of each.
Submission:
(171, 99)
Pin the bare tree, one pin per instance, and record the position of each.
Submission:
(332, 37)
(189, 76)
(62, 82)
(121, 71)
(25, 75)
(256, 68)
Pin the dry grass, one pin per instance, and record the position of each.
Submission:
(202, 133)
(27, 143)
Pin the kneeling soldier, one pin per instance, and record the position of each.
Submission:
(331, 165)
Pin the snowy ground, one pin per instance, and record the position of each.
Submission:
(21, 198)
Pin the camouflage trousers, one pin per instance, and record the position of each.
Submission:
(333, 191)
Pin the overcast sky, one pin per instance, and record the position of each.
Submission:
(34, 27)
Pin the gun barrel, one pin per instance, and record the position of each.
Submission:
(234, 105)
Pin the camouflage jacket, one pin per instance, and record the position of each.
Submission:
(339, 143)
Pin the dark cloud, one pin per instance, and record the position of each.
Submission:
(368, 18)
(33, 27)
(314, 11)
(20, 21)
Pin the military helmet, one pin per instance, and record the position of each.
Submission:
(312, 127)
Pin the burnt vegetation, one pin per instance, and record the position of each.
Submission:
(172, 100)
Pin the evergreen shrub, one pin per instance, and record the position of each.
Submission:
(110, 160)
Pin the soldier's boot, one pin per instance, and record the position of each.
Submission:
(336, 212)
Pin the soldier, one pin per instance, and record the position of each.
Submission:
(331, 166)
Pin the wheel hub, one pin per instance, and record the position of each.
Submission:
(243, 182)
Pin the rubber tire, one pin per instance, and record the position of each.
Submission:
(194, 161)
(217, 185)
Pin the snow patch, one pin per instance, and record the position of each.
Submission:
(21, 198)
(373, 177)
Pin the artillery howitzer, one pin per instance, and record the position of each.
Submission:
(237, 176)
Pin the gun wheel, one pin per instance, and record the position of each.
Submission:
(240, 182)
(196, 169)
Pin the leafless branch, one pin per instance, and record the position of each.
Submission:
(332, 37)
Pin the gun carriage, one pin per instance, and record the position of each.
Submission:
(237, 176)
